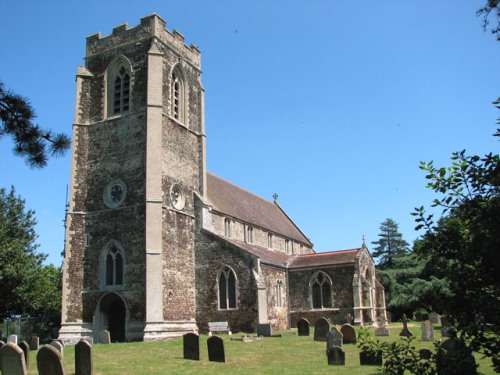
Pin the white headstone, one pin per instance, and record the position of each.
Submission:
(12, 339)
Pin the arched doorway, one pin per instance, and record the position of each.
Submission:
(112, 316)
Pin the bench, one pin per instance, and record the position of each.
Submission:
(218, 327)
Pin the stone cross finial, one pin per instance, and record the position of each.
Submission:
(275, 196)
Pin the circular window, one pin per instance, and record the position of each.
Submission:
(177, 197)
(114, 193)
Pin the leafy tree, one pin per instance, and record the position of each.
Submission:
(390, 245)
(28, 287)
(466, 242)
(30, 141)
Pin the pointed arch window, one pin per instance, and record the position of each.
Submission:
(178, 95)
(118, 86)
(112, 266)
(321, 291)
(227, 289)
(279, 293)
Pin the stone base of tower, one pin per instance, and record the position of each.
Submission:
(71, 333)
(156, 331)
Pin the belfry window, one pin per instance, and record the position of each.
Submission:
(227, 289)
(178, 95)
(121, 91)
(321, 291)
(114, 266)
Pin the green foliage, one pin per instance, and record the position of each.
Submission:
(390, 245)
(28, 287)
(31, 141)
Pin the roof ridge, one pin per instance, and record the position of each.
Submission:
(329, 252)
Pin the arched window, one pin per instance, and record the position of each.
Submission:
(321, 291)
(119, 86)
(226, 281)
(178, 95)
(112, 267)
(279, 294)
(227, 227)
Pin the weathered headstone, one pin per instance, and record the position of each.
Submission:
(49, 361)
(303, 327)
(34, 343)
(105, 337)
(425, 353)
(191, 344)
(216, 349)
(333, 338)
(370, 358)
(26, 350)
(454, 357)
(427, 331)
(12, 339)
(336, 356)
(435, 318)
(83, 358)
(59, 347)
(348, 333)
(389, 316)
(382, 331)
(264, 330)
(321, 328)
(12, 360)
(405, 331)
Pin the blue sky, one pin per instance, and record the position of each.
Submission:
(330, 104)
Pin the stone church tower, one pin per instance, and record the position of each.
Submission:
(138, 158)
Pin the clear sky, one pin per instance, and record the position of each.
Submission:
(329, 104)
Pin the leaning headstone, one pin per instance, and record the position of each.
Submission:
(83, 358)
(216, 349)
(105, 337)
(191, 344)
(303, 327)
(264, 330)
(58, 346)
(370, 358)
(26, 350)
(333, 338)
(34, 343)
(427, 331)
(12, 339)
(321, 328)
(405, 331)
(435, 318)
(336, 356)
(348, 333)
(12, 360)
(454, 357)
(425, 353)
(49, 361)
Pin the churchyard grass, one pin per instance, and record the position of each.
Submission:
(287, 355)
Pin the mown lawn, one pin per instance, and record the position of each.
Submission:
(287, 355)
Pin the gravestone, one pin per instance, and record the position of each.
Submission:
(333, 338)
(405, 331)
(435, 318)
(454, 357)
(34, 343)
(12, 339)
(321, 328)
(12, 360)
(425, 353)
(49, 361)
(216, 349)
(427, 331)
(389, 316)
(448, 331)
(58, 346)
(382, 331)
(336, 356)
(83, 358)
(303, 327)
(370, 358)
(191, 344)
(105, 338)
(264, 330)
(348, 333)
(26, 350)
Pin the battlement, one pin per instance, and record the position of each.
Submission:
(151, 26)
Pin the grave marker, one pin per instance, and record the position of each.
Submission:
(26, 350)
(435, 318)
(264, 330)
(105, 337)
(427, 331)
(34, 343)
(12, 360)
(321, 328)
(191, 345)
(303, 327)
(405, 331)
(336, 356)
(348, 333)
(333, 338)
(216, 349)
(49, 361)
(59, 347)
(83, 358)
(12, 339)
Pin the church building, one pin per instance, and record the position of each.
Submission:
(157, 246)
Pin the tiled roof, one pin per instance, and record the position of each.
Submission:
(230, 199)
(325, 259)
